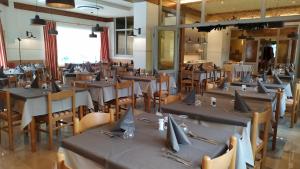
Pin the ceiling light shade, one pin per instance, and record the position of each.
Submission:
(53, 32)
(38, 21)
(93, 35)
(97, 28)
(65, 4)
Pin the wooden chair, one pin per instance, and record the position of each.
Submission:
(171, 99)
(84, 76)
(10, 118)
(187, 80)
(92, 120)
(292, 105)
(161, 93)
(58, 120)
(124, 101)
(260, 121)
(225, 161)
(28, 76)
(275, 121)
(12, 81)
(79, 85)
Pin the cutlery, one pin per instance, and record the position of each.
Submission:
(177, 159)
(145, 120)
(108, 133)
(211, 141)
(168, 152)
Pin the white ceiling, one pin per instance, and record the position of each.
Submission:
(108, 8)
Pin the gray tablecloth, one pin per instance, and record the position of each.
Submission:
(144, 151)
(35, 102)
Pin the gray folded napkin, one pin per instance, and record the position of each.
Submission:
(240, 104)
(175, 135)
(54, 87)
(223, 84)
(20, 69)
(155, 72)
(70, 66)
(2, 75)
(276, 79)
(72, 69)
(246, 78)
(190, 98)
(261, 87)
(126, 123)
(35, 83)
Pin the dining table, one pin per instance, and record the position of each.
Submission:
(3, 82)
(146, 150)
(31, 102)
(224, 117)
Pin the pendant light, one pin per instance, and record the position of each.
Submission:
(65, 4)
(93, 35)
(97, 28)
(37, 20)
(53, 31)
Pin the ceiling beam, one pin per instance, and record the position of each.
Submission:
(33, 8)
(4, 2)
(111, 4)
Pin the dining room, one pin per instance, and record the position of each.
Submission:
(144, 84)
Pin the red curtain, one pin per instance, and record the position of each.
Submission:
(104, 57)
(51, 50)
(3, 56)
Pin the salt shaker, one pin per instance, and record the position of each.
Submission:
(161, 123)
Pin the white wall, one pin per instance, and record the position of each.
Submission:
(16, 22)
(218, 46)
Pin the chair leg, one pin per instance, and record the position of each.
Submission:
(0, 131)
(50, 137)
(10, 135)
(292, 119)
(274, 139)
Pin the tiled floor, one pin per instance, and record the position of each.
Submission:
(287, 157)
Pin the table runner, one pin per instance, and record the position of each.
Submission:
(144, 150)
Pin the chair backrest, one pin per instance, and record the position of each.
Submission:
(80, 84)
(60, 96)
(92, 120)
(259, 120)
(84, 76)
(296, 96)
(128, 84)
(12, 81)
(171, 99)
(5, 102)
(225, 161)
(184, 74)
(164, 79)
(28, 75)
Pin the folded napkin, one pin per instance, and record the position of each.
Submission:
(190, 99)
(126, 123)
(70, 66)
(72, 69)
(240, 104)
(175, 135)
(35, 83)
(261, 88)
(247, 78)
(20, 69)
(155, 72)
(54, 87)
(276, 79)
(88, 67)
(2, 75)
(223, 84)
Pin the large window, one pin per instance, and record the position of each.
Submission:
(75, 46)
(124, 42)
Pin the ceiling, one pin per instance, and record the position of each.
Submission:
(106, 8)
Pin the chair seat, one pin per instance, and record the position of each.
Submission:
(123, 100)
(15, 116)
(55, 116)
(289, 102)
(164, 93)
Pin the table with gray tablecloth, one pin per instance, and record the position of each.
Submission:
(92, 149)
(223, 117)
(35, 102)
(104, 91)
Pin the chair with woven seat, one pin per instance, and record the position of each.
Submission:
(127, 100)
(92, 120)
(292, 105)
(161, 93)
(187, 80)
(260, 122)
(10, 118)
(58, 120)
(12, 81)
(225, 161)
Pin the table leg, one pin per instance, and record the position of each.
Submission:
(33, 135)
(80, 112)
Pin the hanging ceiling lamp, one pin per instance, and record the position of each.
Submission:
(53, 31)
(97, 28)
(65, 4)
(37, 20)
(93, 35)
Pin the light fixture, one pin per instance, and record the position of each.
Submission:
(29, 35)
(131, 34)
(93, 35)
(65, 4)
(97, 28)
(242, 36)
(38, 21)
(53, 31)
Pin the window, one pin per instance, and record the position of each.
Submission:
(124, 42)
(75, 46)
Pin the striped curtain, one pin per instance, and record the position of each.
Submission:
(51, 50)
(104, 53)
(3, 56)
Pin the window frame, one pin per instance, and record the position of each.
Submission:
(126, 37)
